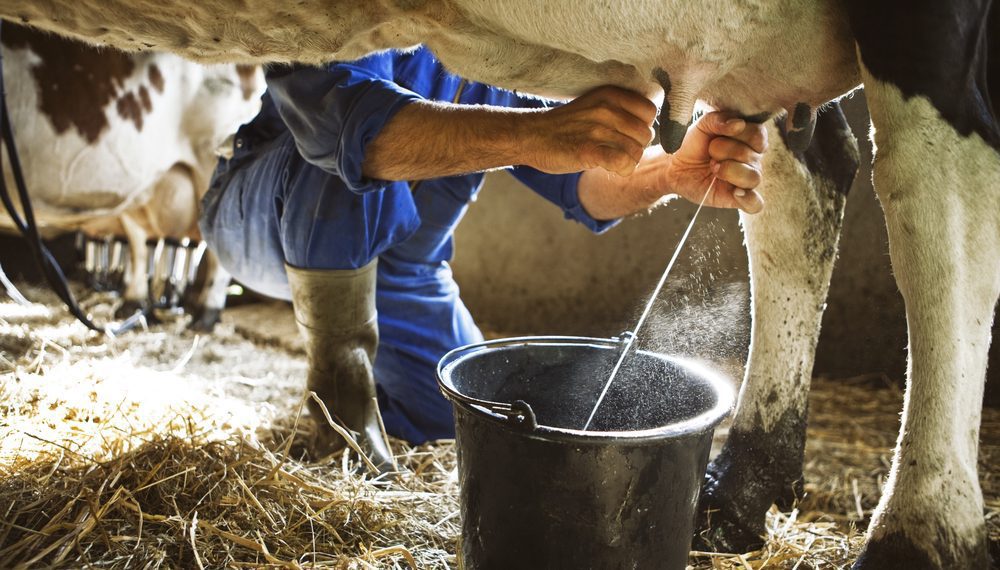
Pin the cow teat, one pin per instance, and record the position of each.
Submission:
(675, 114)
(799, 127)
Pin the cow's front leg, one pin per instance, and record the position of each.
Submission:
(136, 295)
(941, 195)
(207, 296)
(791, 246)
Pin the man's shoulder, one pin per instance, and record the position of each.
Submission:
(420, 71)
(417, 60)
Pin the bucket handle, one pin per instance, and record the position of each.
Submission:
(517, 413)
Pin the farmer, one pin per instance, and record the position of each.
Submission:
(342, 196)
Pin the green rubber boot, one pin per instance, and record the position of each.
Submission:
(335, 311)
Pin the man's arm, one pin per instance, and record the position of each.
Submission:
(603, 133)
(607, 128)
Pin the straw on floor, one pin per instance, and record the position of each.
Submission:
(165, 449)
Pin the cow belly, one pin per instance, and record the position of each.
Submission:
(798, 50)
(782, 51)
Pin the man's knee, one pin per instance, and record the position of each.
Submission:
(413, 407)
(237, 221)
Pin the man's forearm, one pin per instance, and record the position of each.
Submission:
(604, 128)
(431, 140)
(606, 196)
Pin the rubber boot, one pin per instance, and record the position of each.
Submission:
(335, 311)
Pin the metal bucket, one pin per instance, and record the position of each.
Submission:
(537, 492)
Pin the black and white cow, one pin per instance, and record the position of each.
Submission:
(930, 71)
(123, 144)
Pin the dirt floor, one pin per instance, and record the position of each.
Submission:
(164, 448)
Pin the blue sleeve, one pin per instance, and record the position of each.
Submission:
(532, 102)
(334, 112)
(561, 190)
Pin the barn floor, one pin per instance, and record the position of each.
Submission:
(163, 448)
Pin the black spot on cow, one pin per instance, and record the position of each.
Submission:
(75, 82)
(948, 52)
(799, 134)
(757, 118)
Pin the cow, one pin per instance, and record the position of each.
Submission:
(123, 144)
(930, 71)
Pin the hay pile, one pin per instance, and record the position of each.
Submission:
(163, 449)
(130, 453)
(195, 504)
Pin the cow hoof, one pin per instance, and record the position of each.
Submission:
(204, 319)
(724, 524)
(895, 550)
(721, 530)
(130, 307)
(754, 470)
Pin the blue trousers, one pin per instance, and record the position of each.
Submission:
(267, 206)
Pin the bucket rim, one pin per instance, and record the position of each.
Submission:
(518, 414)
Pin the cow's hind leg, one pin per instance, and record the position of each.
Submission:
(941, 195)
(791, 246)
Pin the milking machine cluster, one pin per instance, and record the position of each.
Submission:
(105, 262)
(172, 268)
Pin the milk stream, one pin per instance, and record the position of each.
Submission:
(630, 336)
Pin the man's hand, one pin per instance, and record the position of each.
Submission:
(718, 145)
(607, 128)
(726, 147)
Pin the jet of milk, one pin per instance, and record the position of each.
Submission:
(630, 336)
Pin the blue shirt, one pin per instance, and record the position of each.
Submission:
(336, 111)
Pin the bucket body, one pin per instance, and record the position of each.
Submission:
(538, 492)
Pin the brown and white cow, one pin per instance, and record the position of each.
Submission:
(114, 143)
(929, 69)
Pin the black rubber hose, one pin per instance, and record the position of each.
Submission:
(28, 228)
